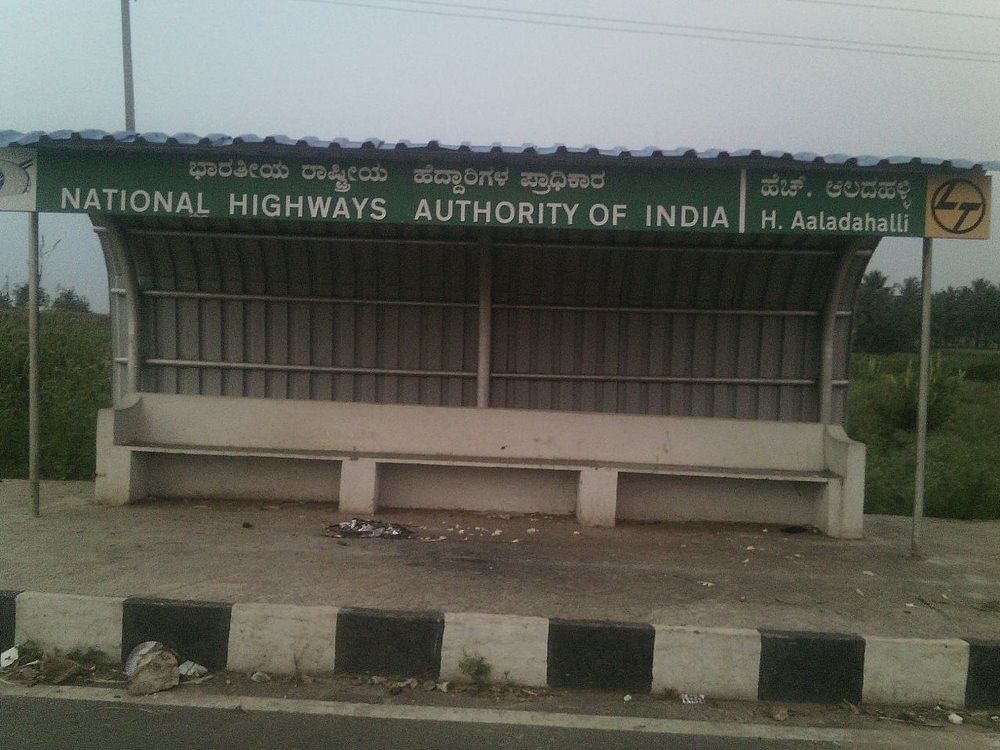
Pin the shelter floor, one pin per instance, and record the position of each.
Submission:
(711, 575)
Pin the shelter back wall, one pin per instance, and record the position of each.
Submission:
(697, 327)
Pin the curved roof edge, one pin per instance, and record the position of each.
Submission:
(223, 141)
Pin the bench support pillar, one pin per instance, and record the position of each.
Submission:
(840, 512)
(358, 486)
(597, 497)
(120, 472)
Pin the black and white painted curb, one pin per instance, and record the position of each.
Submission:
(723, 663)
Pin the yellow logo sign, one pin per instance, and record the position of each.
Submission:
(958, 207)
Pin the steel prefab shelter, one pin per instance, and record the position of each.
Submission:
(691, 314)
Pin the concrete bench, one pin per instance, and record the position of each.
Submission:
(603, 467)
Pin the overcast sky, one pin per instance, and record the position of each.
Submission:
(311, 67)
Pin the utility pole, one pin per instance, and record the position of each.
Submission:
(127, 66)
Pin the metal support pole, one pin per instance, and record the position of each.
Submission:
(925, 360)
(127, 65)
(33, 433)
(485, 320)
(830, 314)
(126, 269)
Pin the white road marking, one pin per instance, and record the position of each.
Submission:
(182, 699)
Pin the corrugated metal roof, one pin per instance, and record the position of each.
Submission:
(221, 140)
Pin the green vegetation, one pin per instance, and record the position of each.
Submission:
(963, 444)
(475, 667)
(75, 383)
(887, 316)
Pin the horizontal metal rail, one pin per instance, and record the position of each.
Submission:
(241, 297)
(324, 369)
(666, 310)
(216, 234)
(334, 370)
(681, 379)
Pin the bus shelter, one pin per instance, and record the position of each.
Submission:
(643, 335)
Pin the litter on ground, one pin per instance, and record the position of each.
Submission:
(359, 528)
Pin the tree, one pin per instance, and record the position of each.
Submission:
(68, 300)
(21, 297)
(879, 326)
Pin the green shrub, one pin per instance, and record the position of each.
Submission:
(75, 369)
(475, 668)
(895, 404)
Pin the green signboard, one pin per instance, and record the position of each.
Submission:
(491, 192)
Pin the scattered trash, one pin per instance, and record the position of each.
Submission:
(794, 529)
(532, 531)
(138, 654)
(444, 687)
(627, 698)
(955, 718)
(364, 529)
(497, 533)
(745, 561)
(910, 605)
(692, 699)
(8, 657)
(751, 548)
(514, 541)
(429, 686)
(156, 671)
(58, 669)
(706, 584)
(247, 525)
(780, 713)
(859, 592)
(192, 669)
(867, 573)
(576, 533)
(397, 687)
(259, 676)
(796, 555)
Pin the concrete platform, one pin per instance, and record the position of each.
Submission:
(666, 574)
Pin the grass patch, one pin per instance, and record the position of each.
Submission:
(475, 668)
(75, 366)
(963, 448)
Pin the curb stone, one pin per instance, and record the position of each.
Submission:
(770, 665)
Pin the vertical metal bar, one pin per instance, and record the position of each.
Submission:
(33, 432)
(127, 269)
(127, 66)
(485, 320)
(834, 296)
(925, 357)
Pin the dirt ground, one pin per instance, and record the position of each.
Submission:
(681, 574)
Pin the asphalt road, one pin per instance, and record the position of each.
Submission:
(47, 724)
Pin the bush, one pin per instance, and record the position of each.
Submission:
(895, 405)
(75, 373)
(963, 453)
